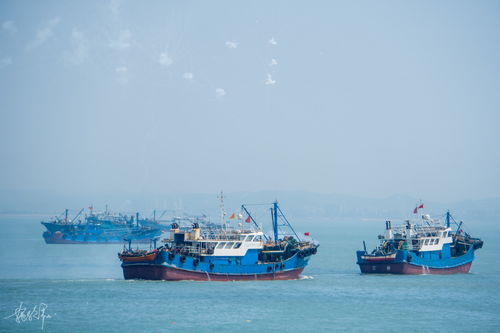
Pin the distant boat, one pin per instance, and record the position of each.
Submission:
(223, 253)
(426, 247)
(98, 228)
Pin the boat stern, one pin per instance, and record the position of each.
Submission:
(382, 263)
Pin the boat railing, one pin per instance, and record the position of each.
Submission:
(418, 228)
(225, 236)
(193, 250)
(418, 231)
(220, 237)
(403, 244)
(411, 247)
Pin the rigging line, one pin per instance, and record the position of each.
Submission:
(252, 219)
(462, 223)
(284, 217)
(259, 204)
(163, 213)
(455, 221)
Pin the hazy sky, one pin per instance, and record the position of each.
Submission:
(368, 98)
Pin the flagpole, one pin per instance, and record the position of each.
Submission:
(222, 211)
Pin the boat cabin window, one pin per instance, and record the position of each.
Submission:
(237, 245)
(257, 238)
(229, 245)
(427, 241)
(249, 238)
(221, 245)
(449, 233)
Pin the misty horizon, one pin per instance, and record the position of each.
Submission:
(298, 205)
(374, 101)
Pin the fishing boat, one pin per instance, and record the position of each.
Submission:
(97, 228)
(223, 253)
(424, 247)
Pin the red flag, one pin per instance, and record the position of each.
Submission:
(415, 211)
(306, 234)
(247, 220)
(421, 206)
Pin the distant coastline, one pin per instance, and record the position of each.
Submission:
(296, 203)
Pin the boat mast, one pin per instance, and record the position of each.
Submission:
(222, 211)
(66, 215)
(274, 212)
(448, 219)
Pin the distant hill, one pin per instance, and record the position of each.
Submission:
(294, 203)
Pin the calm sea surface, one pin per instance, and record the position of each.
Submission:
(84, 291)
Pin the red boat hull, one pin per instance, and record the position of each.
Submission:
(406, 268)
(160, 272)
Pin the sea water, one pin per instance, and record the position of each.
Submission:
(80, 288)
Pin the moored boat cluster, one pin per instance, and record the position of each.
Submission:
(193, 248)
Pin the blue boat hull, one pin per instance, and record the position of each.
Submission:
(405, 268)
(177, 267)
(93, 241)
(81, 238)
(408, 262)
